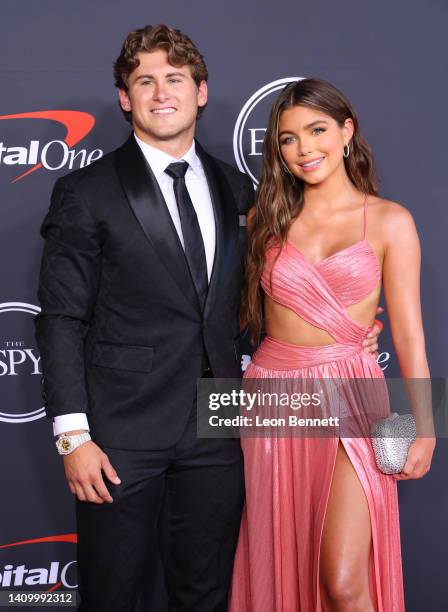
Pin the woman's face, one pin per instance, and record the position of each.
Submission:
(312, 143)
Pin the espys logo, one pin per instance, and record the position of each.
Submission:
(15, 573)
(251, 124)
(19, 363)
(55, 154)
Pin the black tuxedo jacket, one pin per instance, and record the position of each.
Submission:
(121, 332)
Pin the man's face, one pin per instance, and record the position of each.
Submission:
(163, 100)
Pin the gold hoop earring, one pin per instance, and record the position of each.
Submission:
(346, 150)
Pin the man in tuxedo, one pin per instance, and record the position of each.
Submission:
(139, 287)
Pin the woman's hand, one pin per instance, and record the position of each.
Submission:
(419, 459)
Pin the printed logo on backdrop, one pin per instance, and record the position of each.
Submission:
(51, 154)
(19, 364)
(40, 569)
(251, 125)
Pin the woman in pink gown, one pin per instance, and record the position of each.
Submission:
(320, 529)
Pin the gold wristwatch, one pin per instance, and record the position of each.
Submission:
(66, 444)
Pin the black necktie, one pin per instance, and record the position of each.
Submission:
(194, 245)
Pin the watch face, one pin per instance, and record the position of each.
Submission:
(66, 444)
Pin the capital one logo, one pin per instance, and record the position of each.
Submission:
(55, 574)
(250, 127)
(55, 154)
(20, 371)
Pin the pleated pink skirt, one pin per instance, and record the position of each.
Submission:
(288, 482)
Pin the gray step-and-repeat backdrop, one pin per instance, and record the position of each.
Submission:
(58, 111)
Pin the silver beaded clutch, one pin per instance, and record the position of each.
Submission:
(391, 439)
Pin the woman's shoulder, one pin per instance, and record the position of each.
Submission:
(389, 216)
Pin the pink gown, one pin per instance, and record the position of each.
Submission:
(288, 479)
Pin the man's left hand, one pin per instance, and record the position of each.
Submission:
(370, 344)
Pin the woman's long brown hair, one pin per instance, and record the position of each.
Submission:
(279, 198)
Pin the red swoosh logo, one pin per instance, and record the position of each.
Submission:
(66, 537)
(77, 124)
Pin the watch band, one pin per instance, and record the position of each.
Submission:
(66, 444)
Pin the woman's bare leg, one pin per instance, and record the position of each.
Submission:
(346, 543)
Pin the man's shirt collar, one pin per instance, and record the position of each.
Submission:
(159, 160)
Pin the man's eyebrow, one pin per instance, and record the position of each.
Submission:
(310, 125)
(170, 74)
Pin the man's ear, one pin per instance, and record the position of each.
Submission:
(202, 93)
(125, 102)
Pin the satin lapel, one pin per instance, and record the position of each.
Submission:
(146, 200)
(226, 222)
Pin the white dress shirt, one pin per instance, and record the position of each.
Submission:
(198, 189)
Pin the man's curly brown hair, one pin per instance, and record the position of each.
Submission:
(180, 49)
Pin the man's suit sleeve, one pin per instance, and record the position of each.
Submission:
(68, 288)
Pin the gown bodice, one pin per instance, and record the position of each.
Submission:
(321, 293)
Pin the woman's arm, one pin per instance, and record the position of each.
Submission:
(401, 282)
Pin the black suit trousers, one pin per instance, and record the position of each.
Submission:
(178, 508)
